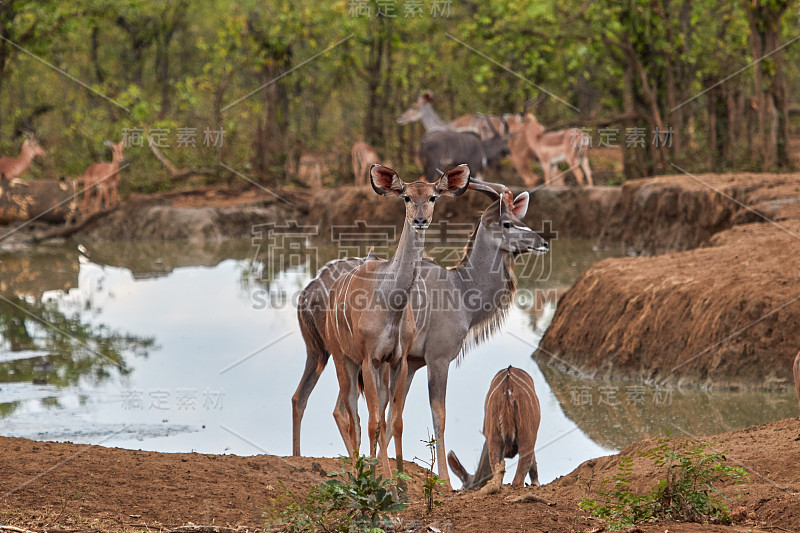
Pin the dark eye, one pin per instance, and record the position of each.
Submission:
(432, 199)
(406, 199)
(507, 224)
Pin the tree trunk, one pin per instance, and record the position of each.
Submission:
(770, 90)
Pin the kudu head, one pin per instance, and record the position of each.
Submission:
(117, 150)
(419, 196)
(415, 112)
(32, 146)
(468, 481)
(502, 221)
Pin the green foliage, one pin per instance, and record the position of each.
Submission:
(186, 64)
(432, 481)
(688, 492)
(354, 500)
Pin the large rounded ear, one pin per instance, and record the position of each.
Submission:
(520, 205)
(427, 96)
(456, 467)
(454, 182)
(108, 143)
(385, 181)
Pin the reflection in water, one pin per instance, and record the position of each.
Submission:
(40, 343)
(618, 413)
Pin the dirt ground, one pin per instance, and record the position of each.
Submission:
(67, 487)
(724, 314)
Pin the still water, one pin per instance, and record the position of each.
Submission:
(195, 347)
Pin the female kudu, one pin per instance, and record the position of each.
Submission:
(459, 307)
(510, 425)
(369, 325)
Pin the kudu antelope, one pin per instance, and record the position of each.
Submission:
(369, 324)
(12, 168)
(443, 149)
(483, 283)
(486, 126)
(510, 425)
(364, 156)
(552, 147)
(101, 180)
(796, 370)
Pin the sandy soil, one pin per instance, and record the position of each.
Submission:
(724, 314)
(67, 487)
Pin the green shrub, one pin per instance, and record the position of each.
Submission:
(686, 494)
(355, 500)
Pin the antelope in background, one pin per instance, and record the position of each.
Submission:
(364, 156)
(510, 425)
(369, 324)
(444, 149)
(552, 147)
(796, 370)
(12, 168)
(443, 331)
(102, 179)
(486, 126)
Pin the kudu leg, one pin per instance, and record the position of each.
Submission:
(376, 426)
(437, 391)
(400, 376)
(315, 364)
(525, 465)
(412, 369)
(342, 413)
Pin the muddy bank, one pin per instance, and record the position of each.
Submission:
(724, 315)
(62, 486)
(646, 216)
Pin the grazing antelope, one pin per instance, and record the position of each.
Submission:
(369, 324)
(364, 156)
(552, 147)
(796, 370)
(102, 179)
(12, 168)
(510, 424)
(482, 283)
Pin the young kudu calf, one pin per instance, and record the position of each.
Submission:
(552, 147)
(102, 181)
(510, 425)
(369, 324)
(458, 307)
(796, 370)
(12, 168)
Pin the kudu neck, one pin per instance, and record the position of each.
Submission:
(430, 119)
(409, 248)
(485, 265)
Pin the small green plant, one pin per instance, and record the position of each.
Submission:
(432, 481)
(355, 500)
(687, 494)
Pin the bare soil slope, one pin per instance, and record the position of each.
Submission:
(725, 314)
(67, 487)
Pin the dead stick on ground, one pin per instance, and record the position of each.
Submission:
(15, 529)
(530, 498)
